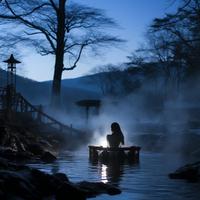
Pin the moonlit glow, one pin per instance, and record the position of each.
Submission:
(104, 174)
(102, 141)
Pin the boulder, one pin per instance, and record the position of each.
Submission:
(35, 148)
(14, 184)
(97, 188)
(48, 157)
(22, 182)
(61, 177)
(10, 154)
(190, 172)
(69, 190)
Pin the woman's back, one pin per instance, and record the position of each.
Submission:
(116, 137)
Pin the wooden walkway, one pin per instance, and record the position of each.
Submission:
(20, 105)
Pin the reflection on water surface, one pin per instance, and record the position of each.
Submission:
(147, 180)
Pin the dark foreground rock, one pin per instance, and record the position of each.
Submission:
(189, 172)
(13, 155)
(24, 183)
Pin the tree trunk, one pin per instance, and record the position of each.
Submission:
(59, 59)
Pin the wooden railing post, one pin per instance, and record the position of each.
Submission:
(22, 105)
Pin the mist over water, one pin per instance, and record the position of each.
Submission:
(154, 97)
(145, 119)
(154, 117)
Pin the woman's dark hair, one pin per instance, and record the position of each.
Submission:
(116, 137)
(115, 127)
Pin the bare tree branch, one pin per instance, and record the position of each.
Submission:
(29, 24)
(54, 5)
(77, 59)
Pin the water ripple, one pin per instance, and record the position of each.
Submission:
(147, 180)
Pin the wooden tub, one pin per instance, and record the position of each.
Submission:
(131, 153)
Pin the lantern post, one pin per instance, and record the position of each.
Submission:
(11, 83)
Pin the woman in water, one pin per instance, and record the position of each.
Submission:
(117, 137)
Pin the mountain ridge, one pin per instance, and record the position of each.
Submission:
(36, 92)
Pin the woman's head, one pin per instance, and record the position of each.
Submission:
(115, 127)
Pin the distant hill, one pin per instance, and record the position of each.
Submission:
(75, 89)
(32, 90)
(86, 83)
(39, 92)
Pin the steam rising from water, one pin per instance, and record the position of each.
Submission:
(144, 120)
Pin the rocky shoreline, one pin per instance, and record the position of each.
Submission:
(24, 183)
(21, 144)
(189, 172)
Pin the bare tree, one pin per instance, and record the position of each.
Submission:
(174, 41)
(59, 28)
(182, 30)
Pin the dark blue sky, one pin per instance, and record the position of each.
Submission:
(133, 16)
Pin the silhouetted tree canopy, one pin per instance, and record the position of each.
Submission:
(179, 35)
(172, 46)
